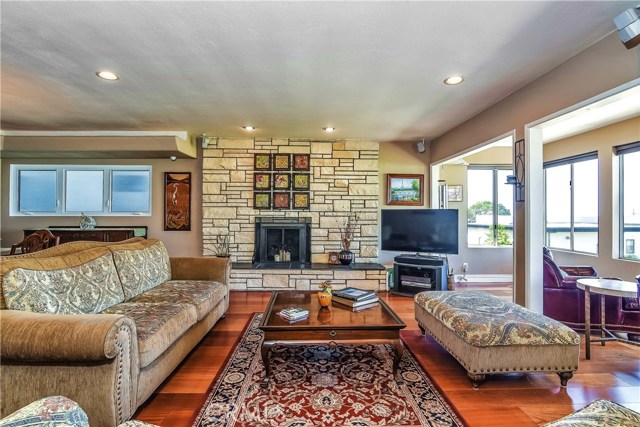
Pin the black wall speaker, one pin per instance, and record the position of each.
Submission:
(628, 24)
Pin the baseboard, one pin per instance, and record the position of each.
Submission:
(481, 278)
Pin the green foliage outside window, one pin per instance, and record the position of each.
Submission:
(485, 207)
(503, 236)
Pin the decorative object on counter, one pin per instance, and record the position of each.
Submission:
(346, 236)
(333, 258)
(177, 206)
(324, 294)
(221, 246)
(405, 190)
(87, 222)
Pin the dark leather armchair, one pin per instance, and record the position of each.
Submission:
(630, 314)
(564, 301)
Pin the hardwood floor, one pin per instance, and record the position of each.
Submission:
(503, 400)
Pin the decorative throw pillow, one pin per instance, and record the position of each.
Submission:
(84, 289)
(141, 266)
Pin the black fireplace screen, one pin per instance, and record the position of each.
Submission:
(283, 240)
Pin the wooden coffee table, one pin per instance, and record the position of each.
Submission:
(332, 325)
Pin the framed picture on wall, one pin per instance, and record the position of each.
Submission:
(177, 201)
(301, 200)
(261, 181)
(262, 162)
(301, 181)
(301, 162)
(261, 200)
(281, 162)
(281, 200)
(281, 181)
(405, 190)
(454, 193)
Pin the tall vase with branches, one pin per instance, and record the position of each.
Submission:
(346, 236)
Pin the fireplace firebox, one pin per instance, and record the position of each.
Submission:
(275, 236)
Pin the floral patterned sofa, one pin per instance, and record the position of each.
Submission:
(488, 335)
(102, 324)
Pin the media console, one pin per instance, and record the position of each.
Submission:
(416, 273)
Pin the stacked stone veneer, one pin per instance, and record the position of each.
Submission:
(344, 181)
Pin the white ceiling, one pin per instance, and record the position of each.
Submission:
(371, 69)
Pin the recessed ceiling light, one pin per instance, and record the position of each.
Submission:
(453, 80)
(107, 75)
(249, 128)
(329, 129)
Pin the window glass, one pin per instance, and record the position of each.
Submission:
(505, 209)
(37, 190)
(630, 209)
(84, 191)
(489, 221)
(130, 191)
(479, 206)
(558, 206)
(585, 206)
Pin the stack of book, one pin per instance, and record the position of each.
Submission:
(358, 299)
(293, 314)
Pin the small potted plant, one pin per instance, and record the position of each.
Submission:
(324, 294)
(221, 246)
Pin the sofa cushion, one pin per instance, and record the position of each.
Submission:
(204, 295)
(141, 266)
(600, 413)
(158, 325)
(482, 320)
(85, 282)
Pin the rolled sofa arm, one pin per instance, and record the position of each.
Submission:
(195, 268)
(91, 359)
(37, 337)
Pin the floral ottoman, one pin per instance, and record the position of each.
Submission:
(488, 335)
(600, 413)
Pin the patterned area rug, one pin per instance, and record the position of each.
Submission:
(317, 386)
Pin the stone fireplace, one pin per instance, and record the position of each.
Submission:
(273, 234)
(344, 182)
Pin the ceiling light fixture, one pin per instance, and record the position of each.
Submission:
(248, 128)
(328, 129)
(453, 80)
(106, 75)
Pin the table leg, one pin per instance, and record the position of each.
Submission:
(602, 324)
(396, 360)
(264, 351)
(587, 322)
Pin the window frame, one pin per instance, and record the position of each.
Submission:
(620, 151)
(61, 176)
(571, 161)
(494, 195)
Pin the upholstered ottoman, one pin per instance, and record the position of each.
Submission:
(488, 335)
(600, 413)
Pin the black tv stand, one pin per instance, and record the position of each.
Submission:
(418, 273)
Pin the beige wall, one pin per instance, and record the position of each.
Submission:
(401, 157)
(603, 66)
(601, 140)
(179, 243)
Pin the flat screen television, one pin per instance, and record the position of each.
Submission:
(420, 230)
